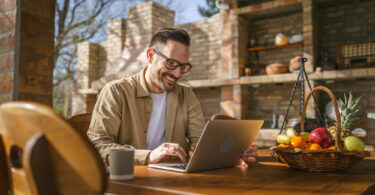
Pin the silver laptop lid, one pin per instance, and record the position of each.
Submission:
(222, 143)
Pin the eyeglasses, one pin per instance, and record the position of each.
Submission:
(173, 64)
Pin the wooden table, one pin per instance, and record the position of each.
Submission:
(265, 177)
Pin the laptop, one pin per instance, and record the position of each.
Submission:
(220, 145)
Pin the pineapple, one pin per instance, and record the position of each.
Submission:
(349, 115)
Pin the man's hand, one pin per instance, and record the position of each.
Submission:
(165, 151)
(249, 155)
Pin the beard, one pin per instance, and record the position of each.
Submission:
(165, 81)
(168, 81)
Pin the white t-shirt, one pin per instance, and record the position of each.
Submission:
(156, 128)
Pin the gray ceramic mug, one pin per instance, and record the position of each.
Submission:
(121, 164)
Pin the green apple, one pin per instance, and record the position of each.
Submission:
(283, 139)
(290, 132)
(352, 143)
(305, 135)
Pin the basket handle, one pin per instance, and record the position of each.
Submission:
(338, 119)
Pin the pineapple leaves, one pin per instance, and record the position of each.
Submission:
(350, 100)
(350, 110)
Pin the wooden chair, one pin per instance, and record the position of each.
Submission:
(45, 155)
(222, 117)
(4, 178)
(81, 122)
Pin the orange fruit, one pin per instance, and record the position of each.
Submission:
(283, 145)
(315, 146)
(332, 148)
(307, 145)
(298, 142)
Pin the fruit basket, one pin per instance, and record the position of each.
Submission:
(320, 159)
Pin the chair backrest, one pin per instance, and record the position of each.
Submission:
(45, 155)
(222, 117)
(4, 178)
(81, 122)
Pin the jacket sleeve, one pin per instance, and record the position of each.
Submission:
(196, 122)
(105, 124)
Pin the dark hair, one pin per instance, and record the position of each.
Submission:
(176, 34)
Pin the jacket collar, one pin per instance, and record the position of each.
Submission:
(142, 89)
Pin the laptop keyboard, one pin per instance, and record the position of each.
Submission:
(179, 166)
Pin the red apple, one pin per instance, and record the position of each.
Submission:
(321, 136)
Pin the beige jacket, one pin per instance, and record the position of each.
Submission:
(122, 113)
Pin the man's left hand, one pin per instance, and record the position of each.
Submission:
(249, 155)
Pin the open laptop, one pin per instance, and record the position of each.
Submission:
(220, 145)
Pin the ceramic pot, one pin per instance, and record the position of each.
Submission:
(276, 68)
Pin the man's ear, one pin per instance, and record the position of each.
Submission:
(150, 55)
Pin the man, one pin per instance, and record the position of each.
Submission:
(150, 112)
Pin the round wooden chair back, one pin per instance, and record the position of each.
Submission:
(222, 117)
(45, 155)
(81, 122)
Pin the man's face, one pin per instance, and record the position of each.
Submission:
(162, 78)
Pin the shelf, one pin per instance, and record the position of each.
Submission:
(325, 75)
(211, 83)
(284, 78)
(263, 48)
(269, 9)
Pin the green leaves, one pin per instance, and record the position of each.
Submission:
(350, 111)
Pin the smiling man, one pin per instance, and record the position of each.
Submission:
(150, 112)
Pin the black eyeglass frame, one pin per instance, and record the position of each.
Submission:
(179, 64)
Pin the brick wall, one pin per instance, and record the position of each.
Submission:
(210, 100)
(90, 67)
(266, 99)
(243, 34)
(114, 45)
(205, 48)
(142, 22)
(36, 51)
(87, 64)
(26, 50)
(7, 46)
(263, 31)
(229, 100)
(363, 88)
(344, 24)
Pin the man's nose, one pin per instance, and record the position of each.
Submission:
(177, 72)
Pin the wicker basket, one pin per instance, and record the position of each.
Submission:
(320, 160)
